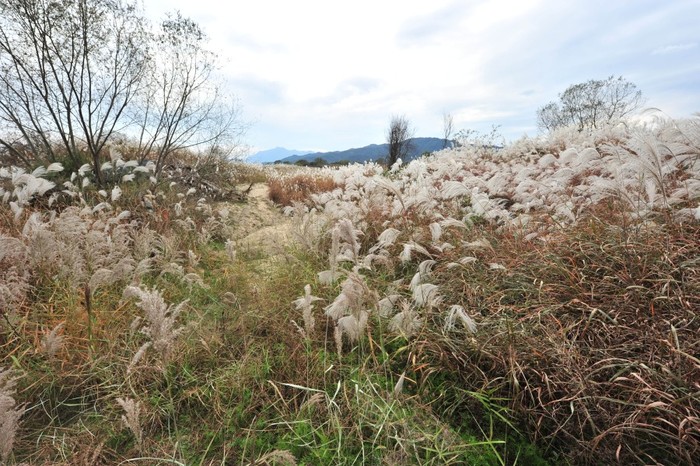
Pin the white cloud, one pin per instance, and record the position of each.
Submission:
(314, 73)
(674, 48)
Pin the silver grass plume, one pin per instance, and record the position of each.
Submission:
(456, 314)
(116, 193)
(452, 189)
(82, 248)
(140, 353)
(329, 276)
(352, 327)
(172, 268)
(386, 305)
(435, 232)
(481, 243)
(192, 279)
(132, 418)
(192, 258)
(436, 235)
(281, 457)
(317, 399)
(348, 310)
(462, 262)
(423, 274)
(10, 413)
(426, 295)
(231, 250)
(398, 388)
(160, 320)
(305, 305)
(14, 272)
(408, 249)
(338, 337)
(101, 277)
(338, 307)
(52, 342)
(349, 240)
(407, 322)
(452, 222)
(382, 257)
(386, 238)
(351, 298)
(308, 226)
(349, 326)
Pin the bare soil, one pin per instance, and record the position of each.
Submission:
(261, 225)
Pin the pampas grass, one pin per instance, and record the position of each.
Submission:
(160, 324)
(466, 221)
(457, 314)
(52, 342)
(550, 286)
(305, 305)
(10, 412)
(132, 418)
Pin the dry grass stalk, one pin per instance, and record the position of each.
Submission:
(10, 412)
(52, 342)
(132, 418)
(160, 325)
(298, 188)
(305, 305)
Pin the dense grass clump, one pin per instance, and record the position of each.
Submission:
(592, 336)
(287, 189)
(552, 285)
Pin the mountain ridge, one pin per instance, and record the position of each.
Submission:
(371, 152)
(274, 154)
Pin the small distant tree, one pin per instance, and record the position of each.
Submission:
(447, 129)
(317, 162)
(493, 140)
(591, 104)
(398, 137)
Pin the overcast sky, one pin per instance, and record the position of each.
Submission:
(326, 75)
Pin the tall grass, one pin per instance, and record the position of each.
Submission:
(534, 305)
(287, 189)
(574, 260)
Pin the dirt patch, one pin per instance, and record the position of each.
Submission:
(259, 224)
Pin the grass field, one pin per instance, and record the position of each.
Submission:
(530, 305)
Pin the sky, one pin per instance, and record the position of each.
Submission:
(322, 75)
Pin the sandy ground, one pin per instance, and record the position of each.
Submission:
(260, 225)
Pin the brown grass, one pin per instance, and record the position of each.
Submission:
(592, 334)
(298, 188)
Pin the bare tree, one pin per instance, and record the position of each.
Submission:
(550, 117)
(591, 104)
(68, 71)
(182, 107)
(75, 74)
(447, 128)
(398, 138)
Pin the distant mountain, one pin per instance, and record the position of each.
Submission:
(271, 155)
(370, 153)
